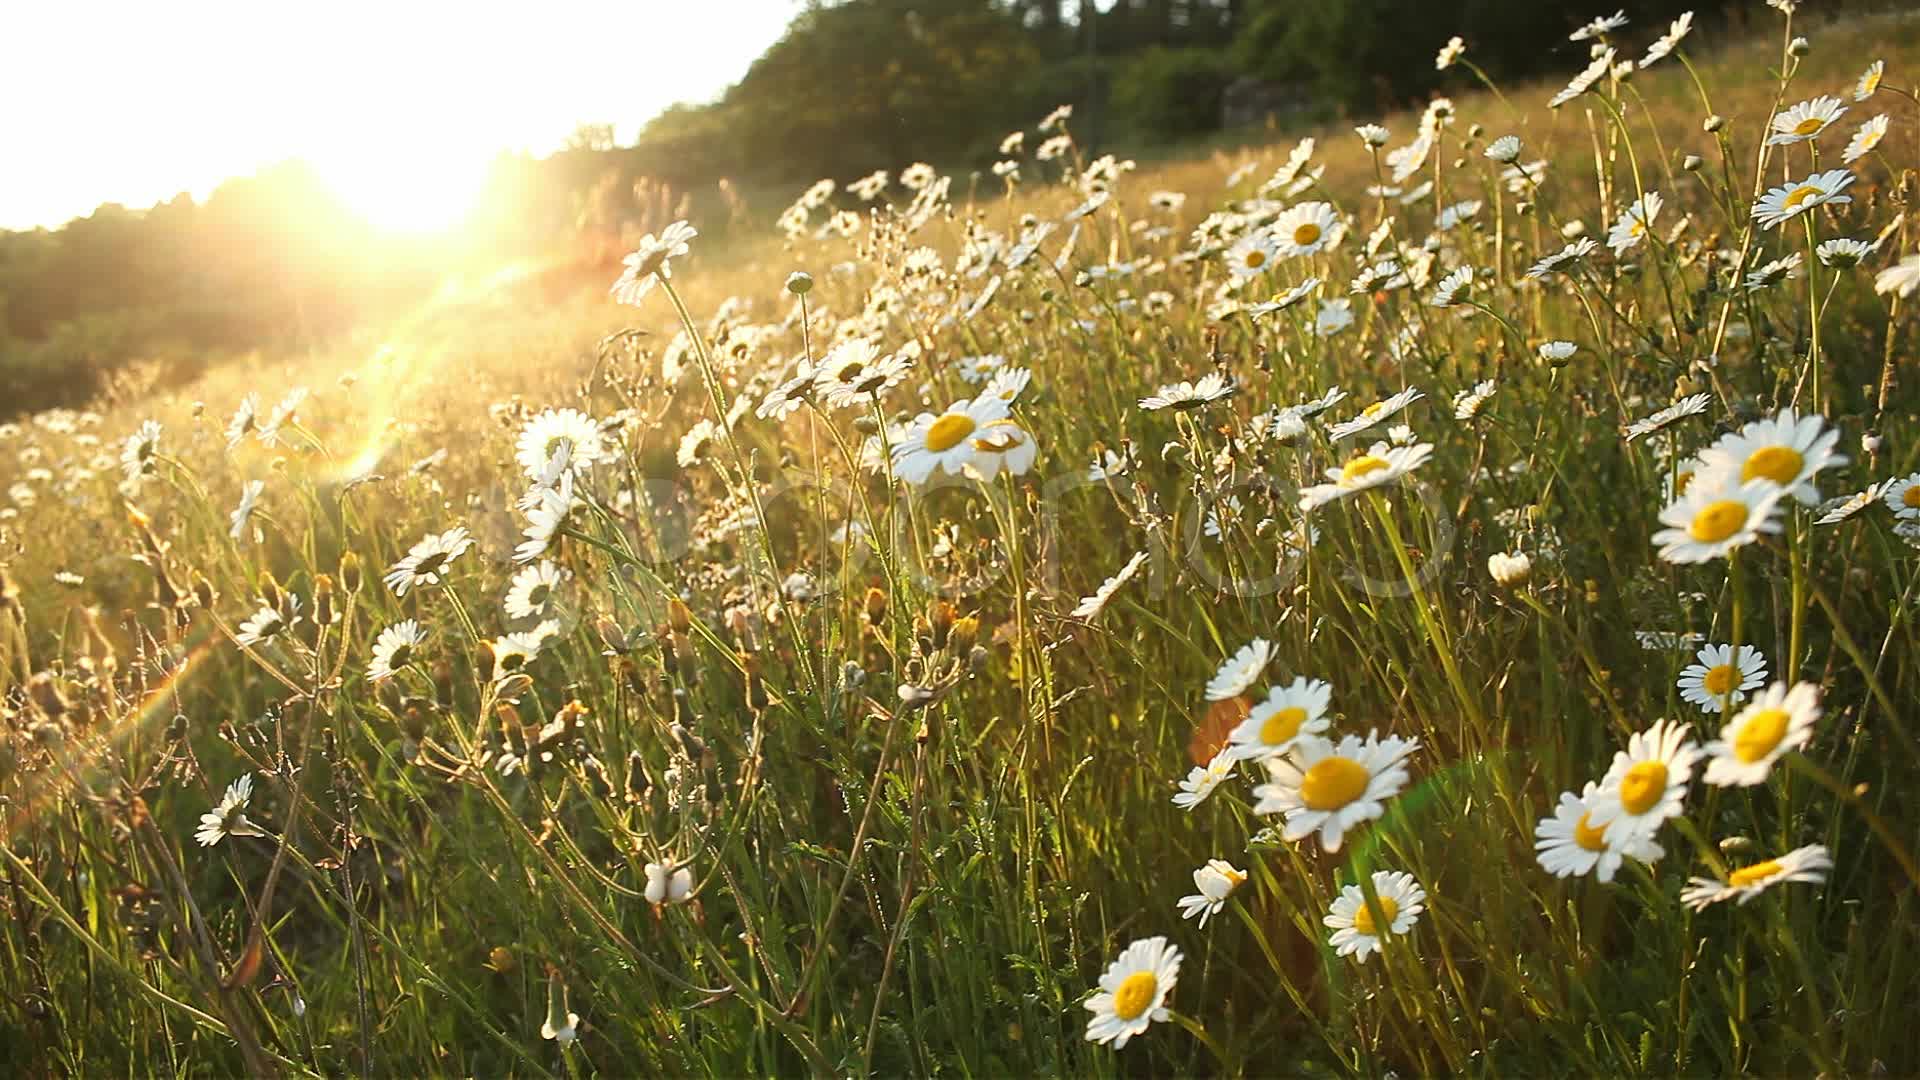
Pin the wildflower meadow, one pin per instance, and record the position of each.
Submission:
(1435, 596)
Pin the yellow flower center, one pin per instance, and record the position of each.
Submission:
(430, 564)
(1361, 466)
(1809, 126)
(1135, 994)
(1363, 918)
(1780, 464)
(1759, 734)
(1753, 875)
(1911, 496)
(1333, 783)
(1869, 84)
(852, 370)
(1374, 409)
(1254, 259)
(1799, 195)
(1306, 235)
(1638, 228)
(1587, 836)
(945, 433)
(1282, 725)
(1718, 520)
(1681, 481)
(1721, 679)
(1642, 787)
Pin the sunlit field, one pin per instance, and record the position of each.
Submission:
(1431, 598)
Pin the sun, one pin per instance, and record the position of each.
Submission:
(414, 192)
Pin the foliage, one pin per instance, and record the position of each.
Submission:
(1166, 93)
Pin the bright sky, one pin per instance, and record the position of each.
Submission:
(398, 104)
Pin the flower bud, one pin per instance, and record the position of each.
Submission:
(1799, 46)
(1692, 163)
(1714, 123)
(799, 283)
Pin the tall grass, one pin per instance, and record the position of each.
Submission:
(919, 802)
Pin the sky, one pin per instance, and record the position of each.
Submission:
(398, 105)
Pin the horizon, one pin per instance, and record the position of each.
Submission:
(401, 153)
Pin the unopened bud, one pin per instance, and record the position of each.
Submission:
(1713, 123)
(799, 283)
(1692, 163)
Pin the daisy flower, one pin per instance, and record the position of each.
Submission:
(1775, 722)
(1505, 149)
(1240, 670)
(1586, 80)
(653, 258)
(1788, 201)
(1304, 229)
(1647, 783)
(1900, 279)
(1355, 933)
(1667, 42)
(568, 435)
(1555, 352)
(1090, 607)
(241, 425)
(855, 373)
(1285, 300)
(1869, 81)
(1379, 466)
(1250, 255)
(1566, 256)
(1601, 26)
(1202, 779)
(426, 562)
(1775, 272)
(1569, 844)
(1692, 405)
(1133, 992)
(1007, 383)
(978, 369)
(1712, 519)
(1449, 291)
(1329, 788)
(1903, 497)
(1001, 445)
(1468, 403)
(1865, 139)
(532, 589)
(1842, 253)
(1449, 53)
(262, 626)
(1374, 413)
(1372, 135)
(1805, 121)
(249, 494)
(230, 817)
(1333, 317)
(1804, 864)
(1839, 510)
(668, 885)
(546, 511)
(1631, 226)
(394, 649)
(945, 441)
(136, 455)
(1191, 395)
(1787, 449)
(1719, 677)
(1216, 881)
(1289, 713)
(787, 397)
